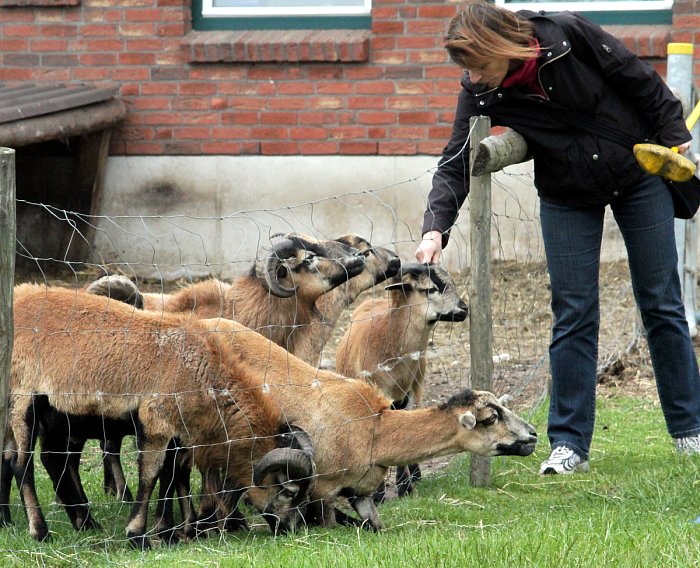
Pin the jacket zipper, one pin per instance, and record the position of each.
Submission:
(539, 78)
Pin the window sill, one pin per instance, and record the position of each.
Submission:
(272, 46)
(44, 3)
(644, 40)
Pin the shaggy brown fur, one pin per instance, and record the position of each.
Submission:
(356, 435)
(380, 264)
(387, 340)
(89, 355)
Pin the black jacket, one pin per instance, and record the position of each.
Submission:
(590, 72)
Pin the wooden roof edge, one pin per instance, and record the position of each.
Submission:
(64, 124)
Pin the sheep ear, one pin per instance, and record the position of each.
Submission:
(468, 420)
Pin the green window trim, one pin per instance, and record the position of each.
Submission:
(201, 23)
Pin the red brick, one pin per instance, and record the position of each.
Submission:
(296, 88)
(440, 12)
(318, 148)
(289, 118)
(191, 133)
(375, 88)
(358, 148)
(307, 133)
(91, 74)
(417, 117)
(198, 89)
(224, 148)
(377, 117)
(137, 58)
(396, 149)
(13, 45)
(270, 133)
(366, 102)
(387, 27)
(279, 148)
(315, 118)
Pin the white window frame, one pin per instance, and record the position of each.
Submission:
(591, 6)
(209, 11)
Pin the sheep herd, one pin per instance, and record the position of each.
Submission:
(226, 377)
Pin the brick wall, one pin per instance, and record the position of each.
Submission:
(196, 93)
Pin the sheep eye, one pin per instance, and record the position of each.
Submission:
(367, 252)
(490, 421)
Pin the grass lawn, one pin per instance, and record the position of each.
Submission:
(636, 507)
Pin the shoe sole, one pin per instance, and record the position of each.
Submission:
(582, 467)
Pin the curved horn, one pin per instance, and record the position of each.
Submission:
(302, 439)
(266, 268)
(297, 464)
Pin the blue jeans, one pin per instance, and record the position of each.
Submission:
(572, 240)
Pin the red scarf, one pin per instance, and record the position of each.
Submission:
(526, 74)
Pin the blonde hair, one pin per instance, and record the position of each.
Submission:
(481, 32)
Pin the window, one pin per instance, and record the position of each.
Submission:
(281, 14)
(604, 12)
(241, 8)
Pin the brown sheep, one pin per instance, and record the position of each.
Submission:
(387, 341)
(380, 264)
(87, 355)
(276, 298)
(356, 434)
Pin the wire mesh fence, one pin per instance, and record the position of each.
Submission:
(164, 255)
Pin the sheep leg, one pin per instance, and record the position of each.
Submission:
(174, 477)
(63, 469)
(228, 500)
(25, 431)
(6, 467)
(182, 473)
(406, 477)
(321, 512)
(150, 461)
(207, 517)
(218, 502)
(346, 520)
(404, 485)
(164, 516)
(366, 509)
(114, 480)
(379, 494)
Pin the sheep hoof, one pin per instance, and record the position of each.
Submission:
(41, 534)
(5, 518)
(89, 523)
(346, 520)
(139, 542)
(171, 537)
(235, 524)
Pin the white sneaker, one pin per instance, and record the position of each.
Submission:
(563, 461)
(688, 445)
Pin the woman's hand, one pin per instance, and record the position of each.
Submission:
(430, 248)
(683, 148)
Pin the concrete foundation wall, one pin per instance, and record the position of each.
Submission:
(181, 217)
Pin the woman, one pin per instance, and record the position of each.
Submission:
(557, 80)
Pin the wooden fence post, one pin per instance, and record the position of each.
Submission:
(480, 319)
(7, 277)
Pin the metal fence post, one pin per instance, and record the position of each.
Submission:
(679, 76)
(7, 277)
(480, 318)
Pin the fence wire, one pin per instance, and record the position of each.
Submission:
(141, 248)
